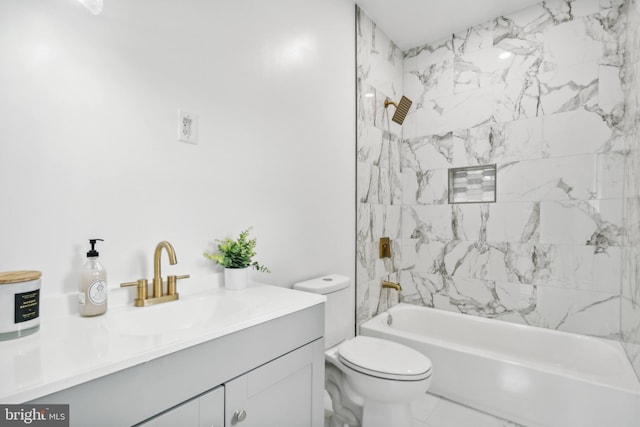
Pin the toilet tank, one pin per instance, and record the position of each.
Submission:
(337, 314)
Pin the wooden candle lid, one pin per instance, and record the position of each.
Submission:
(19, 276)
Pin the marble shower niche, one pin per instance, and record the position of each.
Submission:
(539, 94)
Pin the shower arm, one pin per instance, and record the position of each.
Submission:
(388, 102)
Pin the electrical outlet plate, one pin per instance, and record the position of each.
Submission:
(187, 127)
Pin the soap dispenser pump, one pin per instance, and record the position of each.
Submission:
(93, 284)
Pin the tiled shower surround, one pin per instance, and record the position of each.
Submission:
(540, 93)
(630, 306)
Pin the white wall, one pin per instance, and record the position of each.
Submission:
(88, 112)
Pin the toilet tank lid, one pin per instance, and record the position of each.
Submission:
(323, 285)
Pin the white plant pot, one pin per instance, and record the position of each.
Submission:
(236, 278)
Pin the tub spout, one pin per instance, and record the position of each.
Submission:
(391, 285)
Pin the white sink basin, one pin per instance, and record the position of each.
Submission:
(173, 316)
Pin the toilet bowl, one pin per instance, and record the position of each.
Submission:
(371, 381)
(383, 376)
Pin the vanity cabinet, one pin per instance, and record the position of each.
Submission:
(269, 374)
(275, 394)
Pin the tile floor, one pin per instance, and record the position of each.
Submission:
(434, 411)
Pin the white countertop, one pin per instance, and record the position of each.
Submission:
(70, 350)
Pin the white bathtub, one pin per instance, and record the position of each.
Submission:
(533, 376)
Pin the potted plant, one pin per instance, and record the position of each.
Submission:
(236, 256)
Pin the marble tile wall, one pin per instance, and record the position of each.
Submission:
(379, 179)
(630, 303)
(540, 94)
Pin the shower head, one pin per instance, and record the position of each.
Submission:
(402, 108)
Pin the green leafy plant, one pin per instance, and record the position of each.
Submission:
(237, 253)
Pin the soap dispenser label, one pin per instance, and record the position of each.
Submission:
(27, 306)
(97, 292)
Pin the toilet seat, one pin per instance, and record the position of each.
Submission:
(384, 359)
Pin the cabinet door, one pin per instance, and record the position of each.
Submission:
(211, 408)
(280, 393)
(206, 410)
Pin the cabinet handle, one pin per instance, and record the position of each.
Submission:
(239, 415)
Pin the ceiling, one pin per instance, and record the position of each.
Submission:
(412, 23)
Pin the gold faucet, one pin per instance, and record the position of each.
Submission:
(391, 285)
(142, 300)
(157, 274)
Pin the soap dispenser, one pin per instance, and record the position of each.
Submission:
(93, 284)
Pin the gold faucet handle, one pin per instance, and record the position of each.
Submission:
(171, 283)
(142, 288)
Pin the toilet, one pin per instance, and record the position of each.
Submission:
(371, 381)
